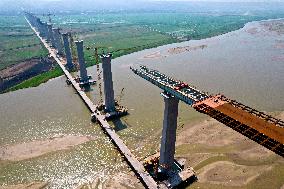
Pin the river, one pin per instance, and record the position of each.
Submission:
(245, 65)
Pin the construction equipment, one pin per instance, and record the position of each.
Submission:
(73, 37)
(99, 75)
(99, 72)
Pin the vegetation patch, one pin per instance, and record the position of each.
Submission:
(37, 80)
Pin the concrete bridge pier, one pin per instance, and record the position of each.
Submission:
(50, 36)
(41, 29)
(108, 84)
(83, 70)
(58, 43)
(167, 150)
(49, 33)
(45, 30)
(68, 54)
(39, 26)
(32, 20)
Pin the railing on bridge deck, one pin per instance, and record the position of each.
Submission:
(180, 90)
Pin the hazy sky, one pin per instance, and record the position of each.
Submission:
(200, 0)
(42, 5)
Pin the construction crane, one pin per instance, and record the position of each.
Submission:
(99, 72)
(99, 75)
(258, 126)
(73, 37)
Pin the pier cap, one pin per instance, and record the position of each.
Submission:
(79, 41)
(56, 29)
(103, 56)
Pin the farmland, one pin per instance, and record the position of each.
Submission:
(18, 43)
(117, 32)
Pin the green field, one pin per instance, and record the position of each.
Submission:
(18, 43)
(119, 33)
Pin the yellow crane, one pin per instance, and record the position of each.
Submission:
(99, 72)
(73, 38)
(99, 75)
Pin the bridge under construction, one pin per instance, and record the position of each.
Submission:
(258, 126)
(168, 173)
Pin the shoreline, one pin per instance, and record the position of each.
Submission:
(224, 149)
(36, 148)
(36, 81)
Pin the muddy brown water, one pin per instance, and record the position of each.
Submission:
(243, 65)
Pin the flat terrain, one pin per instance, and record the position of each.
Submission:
(18, 43)
(119, 33)
(224, 158)
(20, 52)
(221, 157)
(23, 151)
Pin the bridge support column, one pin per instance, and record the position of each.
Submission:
(41, 29)
(167, 150)
(83, 70)
(58, 43)
(68, 54)
(45, 30)
(108, 84)
(39, 26)
(50, 34)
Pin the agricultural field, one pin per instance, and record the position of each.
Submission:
(117, 32)
(21, 53)
(18, 43)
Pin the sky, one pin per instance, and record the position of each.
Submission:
(80, 5)
(199, 0)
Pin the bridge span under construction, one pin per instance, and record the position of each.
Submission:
(258, 126)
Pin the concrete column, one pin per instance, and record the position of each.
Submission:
(68, 54)
(58, 43)
(49, 32)
(81, 59)
(32, 20)
(50, 37)
(108, 84)
(45, 30)
(54, 40)
(167, 150)
(39, 27)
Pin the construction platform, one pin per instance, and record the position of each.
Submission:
(177, 177)
(84, 83)
(119, 111)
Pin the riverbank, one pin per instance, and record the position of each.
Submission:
(128, 48)
(233, 64)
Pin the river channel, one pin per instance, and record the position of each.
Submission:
(245, 65)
